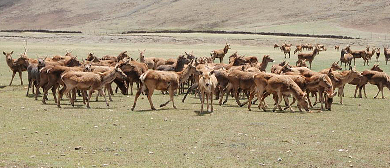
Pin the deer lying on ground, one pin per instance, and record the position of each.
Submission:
(361, 82)
(164, 81)
(220, 53)
(309, 56)
(207, 85)
(87, 81)
(380, 79)
(16, 65)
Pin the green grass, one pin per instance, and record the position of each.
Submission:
(34, 135)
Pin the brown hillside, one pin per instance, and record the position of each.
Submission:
(364, 15)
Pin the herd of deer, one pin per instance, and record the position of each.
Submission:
(243, 74)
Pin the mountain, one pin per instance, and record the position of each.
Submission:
(317, 16)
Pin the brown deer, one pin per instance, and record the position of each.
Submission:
(87, 81)
(336, 47)
(16, 65)
(380, 79)
(368, 56)
(361, 82)
(220, 53)
(164, 81)
(207, 85)
(286, 50)
(356, 54)
(148, 61)
(298, 49)
(378, 53)
(346, 58)
(264, 62)
(386, 52)
(339, 79)
(309, 56)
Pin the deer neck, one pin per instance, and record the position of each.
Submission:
(184, 74)
(225, 50)
(108, 76)
(263, 65)
(179, 66)
(141, 58)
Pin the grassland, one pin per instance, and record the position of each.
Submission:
(33, 135)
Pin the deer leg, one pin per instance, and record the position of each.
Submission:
(207, 100)
(341, 92)
(20, 76)
(195, 85)
(171, 95)
(13, 75)
(364, 90)
(28, 87)
(61, 92)
(211, 100)
(109, 89)
(277, 101)
(89, 97)
(360, 93)
(84, 94)
(236, 96)
(287, 103)
(150, 93)
(131, 88)
(104, 95)
(73, 97)
(201, 101)
(136, 97)
(53, 90)
(251, 95)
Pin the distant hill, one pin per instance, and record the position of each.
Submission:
(321, 16)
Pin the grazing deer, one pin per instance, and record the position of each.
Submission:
(207, 85)
(336, 47)
(16, 65)
(309, 56)
(164, 81)
(220, 53)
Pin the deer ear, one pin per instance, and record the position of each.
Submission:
(12, 52)
(212, 72)
(4, 53)
(330, 71)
